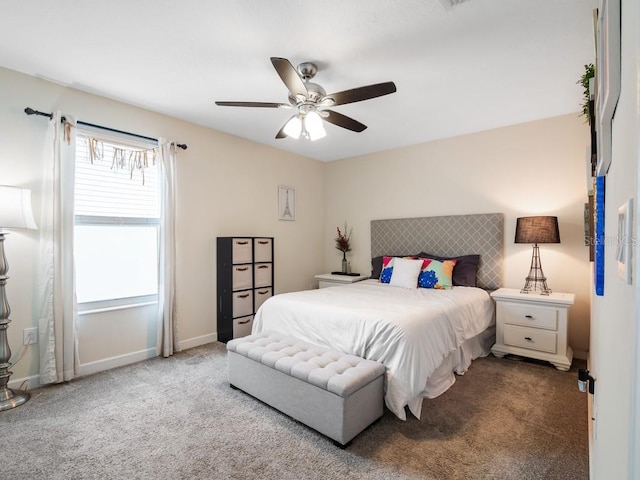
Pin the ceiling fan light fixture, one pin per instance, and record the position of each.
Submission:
(313, 126)
(311, 100)
(293, 128)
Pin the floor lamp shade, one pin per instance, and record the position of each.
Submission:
(15, 212)
(15, 208)
(537, 230)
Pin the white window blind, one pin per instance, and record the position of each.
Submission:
(116, 224)
(103, 189)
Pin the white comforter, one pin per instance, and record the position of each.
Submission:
(410, 331)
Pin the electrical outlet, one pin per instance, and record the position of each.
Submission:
(30, 336)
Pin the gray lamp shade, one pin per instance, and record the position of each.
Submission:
(537, 230)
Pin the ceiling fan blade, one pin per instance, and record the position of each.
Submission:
(253, 104)
(362, 93)
(289, 76)
(343, 121)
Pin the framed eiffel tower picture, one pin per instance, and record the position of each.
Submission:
(286, 203)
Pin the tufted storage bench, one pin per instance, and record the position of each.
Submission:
(337, 394)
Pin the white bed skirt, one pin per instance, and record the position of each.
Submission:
(457, 362)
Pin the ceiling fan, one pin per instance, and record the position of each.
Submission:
(312, 102)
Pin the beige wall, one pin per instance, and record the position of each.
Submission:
(226, 186)
(536, 168)
(614, 341)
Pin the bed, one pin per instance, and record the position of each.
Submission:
(421, 335)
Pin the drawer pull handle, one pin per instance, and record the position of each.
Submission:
(528, 339)
(263, 266)
(245, 322)
(263, 293)
(243, 296)
(530, 317)
(242, 269)
(242, 243)
(263, 242)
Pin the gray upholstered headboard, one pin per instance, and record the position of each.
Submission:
(446, 236)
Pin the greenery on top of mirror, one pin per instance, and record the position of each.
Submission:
(589, 72)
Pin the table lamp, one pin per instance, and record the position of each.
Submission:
(537, 230)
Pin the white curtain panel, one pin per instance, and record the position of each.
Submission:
(167, 318)
(57, 307)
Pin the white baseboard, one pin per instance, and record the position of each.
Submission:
(197, 341)
(580, 354)
(113, 362)
(33, 381)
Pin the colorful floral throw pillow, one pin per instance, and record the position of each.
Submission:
(436, 274)
(387, 269)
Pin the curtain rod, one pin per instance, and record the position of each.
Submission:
(31, 111)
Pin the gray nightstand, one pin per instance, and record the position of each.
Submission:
(533, 325)
(331, 280)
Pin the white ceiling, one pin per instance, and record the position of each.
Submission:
(478, 65)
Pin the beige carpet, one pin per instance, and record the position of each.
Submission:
(177, 418)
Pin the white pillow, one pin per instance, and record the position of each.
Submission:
(405, 272)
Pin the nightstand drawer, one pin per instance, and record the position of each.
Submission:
(530, 338)
(528, 316)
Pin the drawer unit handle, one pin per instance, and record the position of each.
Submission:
(245, 322)
(243, 296)
(528, 339)
(263, 266)
(263, 293)
(263, 242)
(242, 269)
(242, 243)
(530, 317)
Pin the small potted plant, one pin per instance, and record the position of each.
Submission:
(343, 243)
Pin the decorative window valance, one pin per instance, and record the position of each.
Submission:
(123, 158)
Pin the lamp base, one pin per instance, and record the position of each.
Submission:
(12, 398)
(536, 281)
(531, 286)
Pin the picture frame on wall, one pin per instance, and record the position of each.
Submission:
(607, 78)
(286, 203)
(599, 241)
(589, 227)
(623, 249)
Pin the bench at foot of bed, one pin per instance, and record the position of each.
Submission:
(337, 394)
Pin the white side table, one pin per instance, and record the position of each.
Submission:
(533, 325)
(331, 280)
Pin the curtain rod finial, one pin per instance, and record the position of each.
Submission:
(31, 111)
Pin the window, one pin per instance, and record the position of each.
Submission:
(117, 216)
